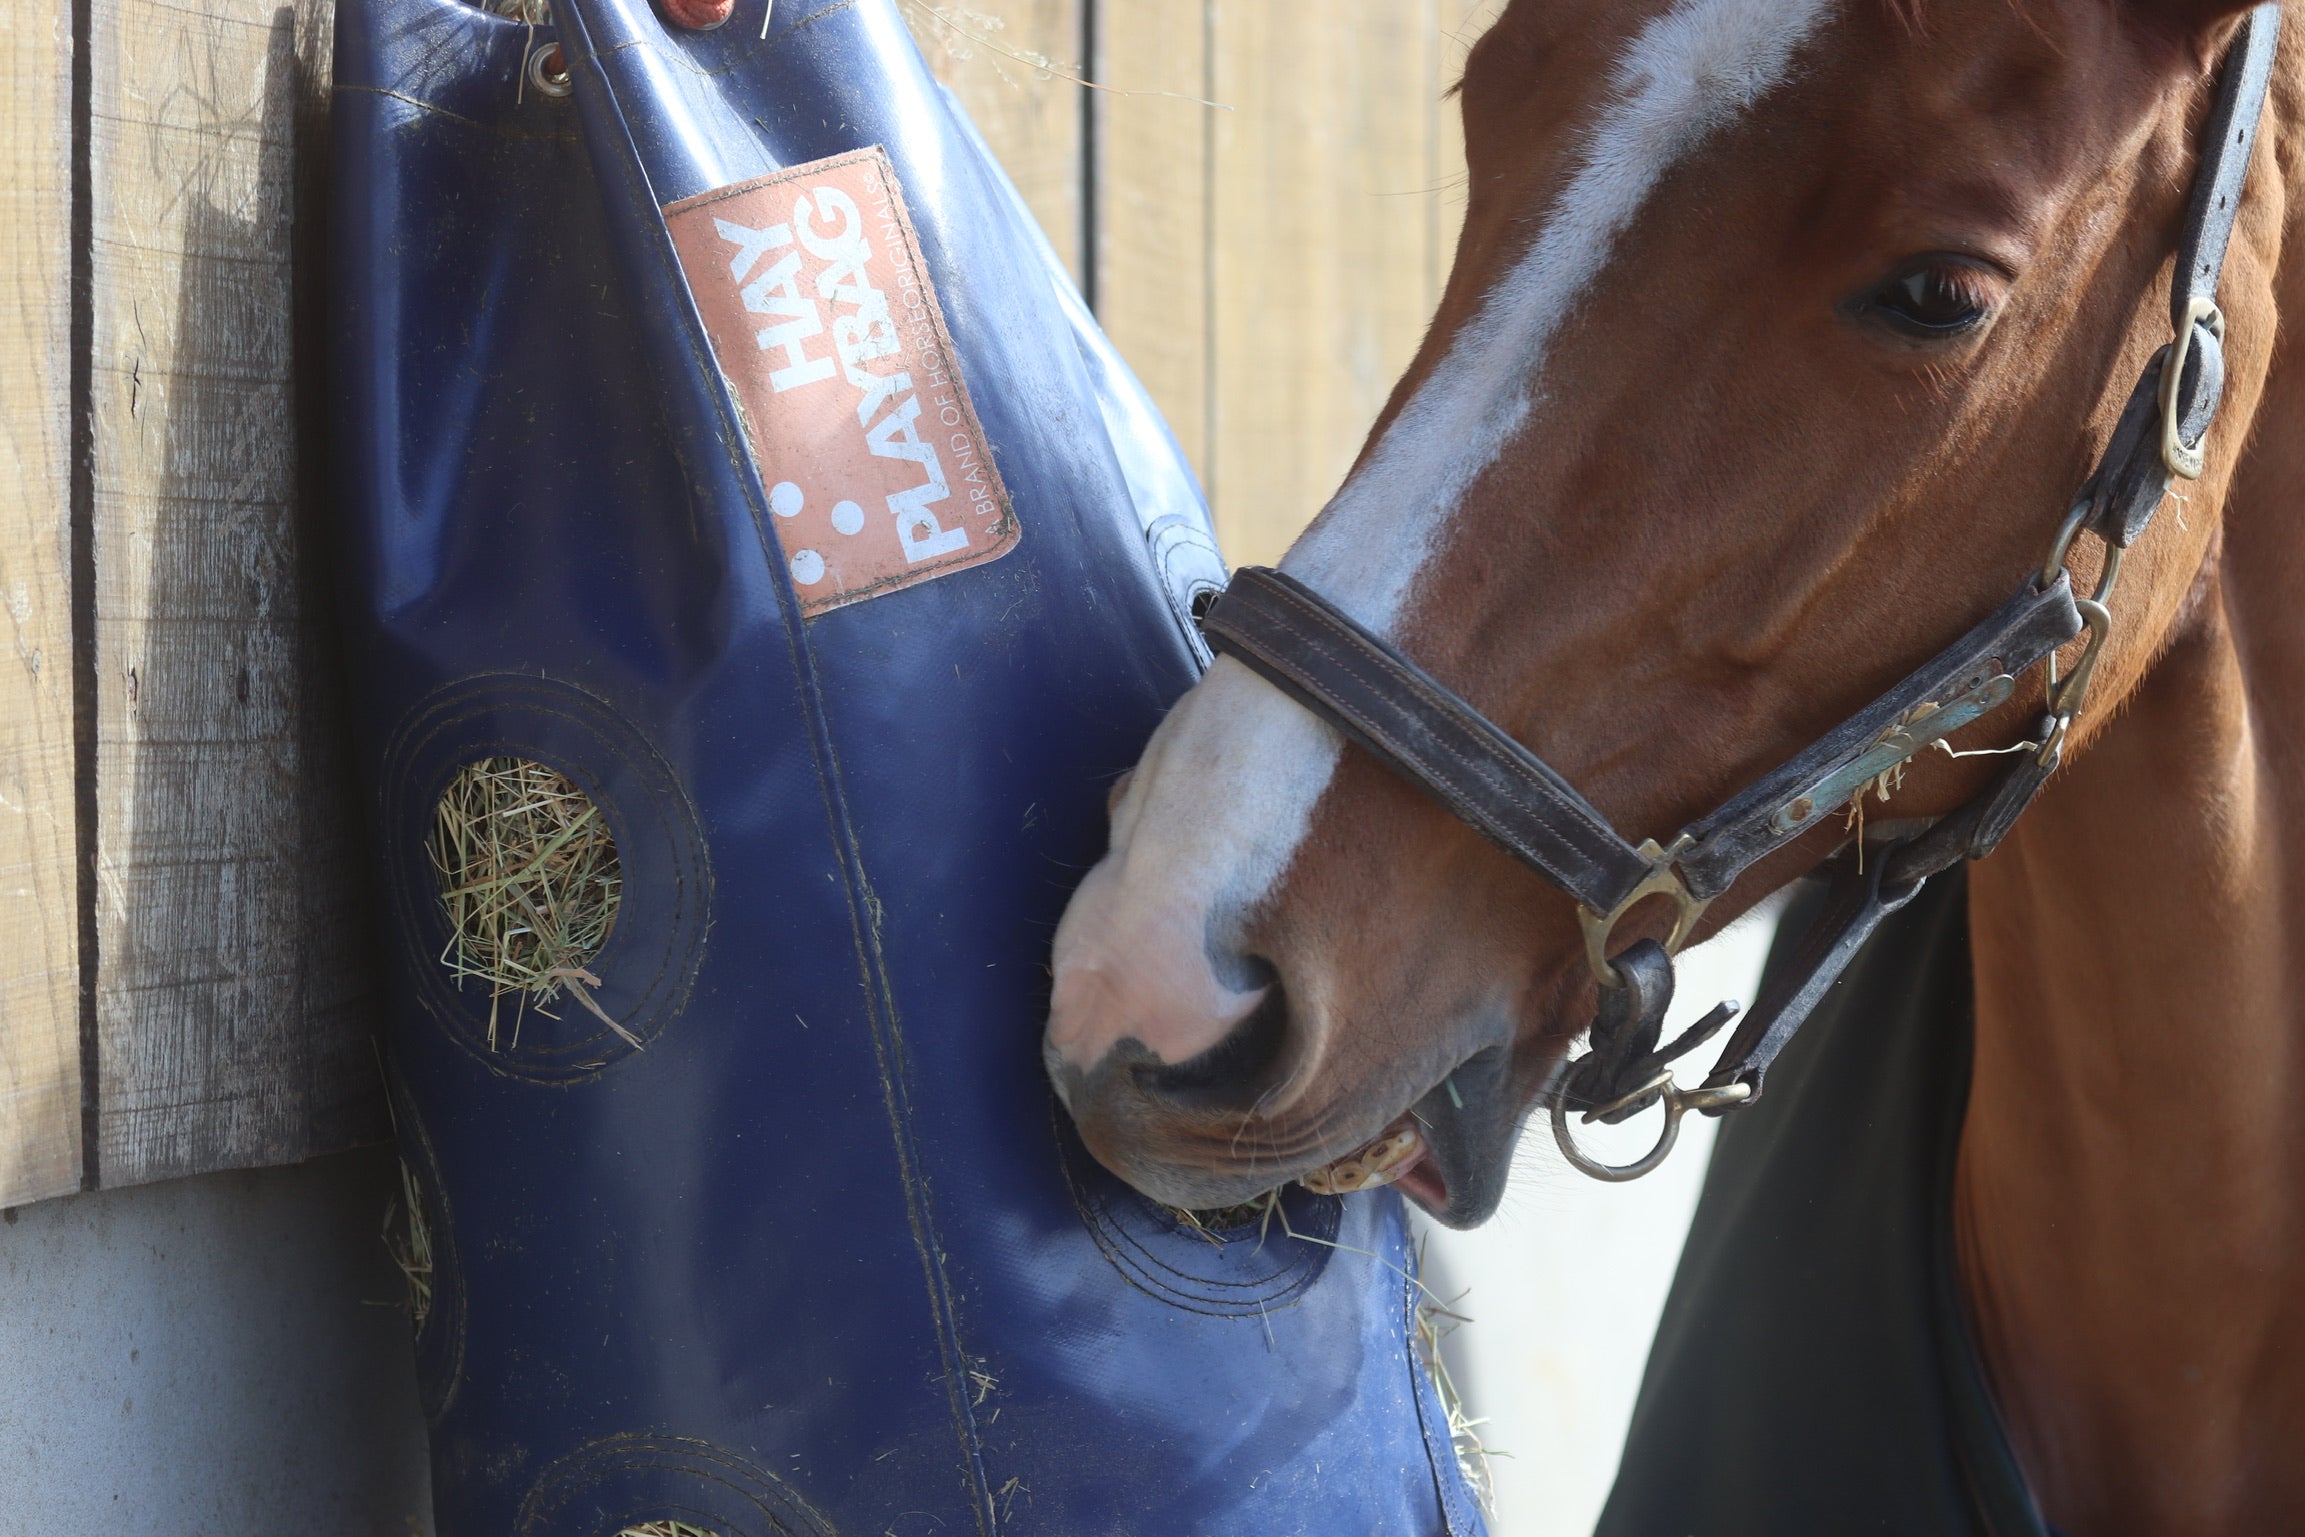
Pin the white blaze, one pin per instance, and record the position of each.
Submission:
(1245, 764)
(1690, 73)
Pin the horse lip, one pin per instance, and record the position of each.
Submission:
(1469, 1126)
(1424, 1184)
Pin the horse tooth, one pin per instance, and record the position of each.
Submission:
(1380, 1161)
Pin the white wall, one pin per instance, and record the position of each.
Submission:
(211, 1357)
(1565, 1284)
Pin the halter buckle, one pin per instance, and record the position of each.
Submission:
(1663, 880)
(2184, 460)
(1677, 1101)
(2067, 694)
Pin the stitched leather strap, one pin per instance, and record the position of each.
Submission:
(1858, 896)
(2007, 643)
(1425, 731)
(2228, 140)
(1362, 685)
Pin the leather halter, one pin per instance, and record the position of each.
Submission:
(1366, 688)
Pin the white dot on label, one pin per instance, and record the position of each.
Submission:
(848, 518)
(784, 499)
(808, 568)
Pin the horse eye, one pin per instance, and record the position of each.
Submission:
(1933, 299)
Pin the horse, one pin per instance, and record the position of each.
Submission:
(1778, 336)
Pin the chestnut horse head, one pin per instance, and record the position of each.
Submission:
(1779, 336)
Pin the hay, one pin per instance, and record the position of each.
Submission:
(1217, 1221)
(666, 1529)
(953, 34)
(1436, 1321)
(410, 1245)
(530, 883)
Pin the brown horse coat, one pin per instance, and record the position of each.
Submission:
(1780, 333)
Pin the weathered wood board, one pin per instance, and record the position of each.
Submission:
(1270, 254)
(232, 1000)
(1323, 250)
(39, 891)
(1261, 200)
(1155, 135)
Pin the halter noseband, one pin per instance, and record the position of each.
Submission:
(1425, 732)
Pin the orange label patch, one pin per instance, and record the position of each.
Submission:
(821, 315)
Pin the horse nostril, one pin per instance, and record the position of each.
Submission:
(1240, 971)
(1237, 1071)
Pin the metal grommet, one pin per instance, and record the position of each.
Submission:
(548, 71)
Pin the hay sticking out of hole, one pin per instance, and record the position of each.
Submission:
(1436, 1321)
(410, 1244)
(1213, 1223)
(666, 1529)
(530, 882)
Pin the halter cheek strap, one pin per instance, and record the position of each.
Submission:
(1424, 731)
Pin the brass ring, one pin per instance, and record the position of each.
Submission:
(2182, 460)
(2062, 545)
(1677, 1102)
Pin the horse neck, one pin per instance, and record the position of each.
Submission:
(2129, 1188)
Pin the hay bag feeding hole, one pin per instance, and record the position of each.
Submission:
(530, 884)
(666, 1529)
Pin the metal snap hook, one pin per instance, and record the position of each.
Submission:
(1677, 1102)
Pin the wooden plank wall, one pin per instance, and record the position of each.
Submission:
(1271, 287)
(1016, 67)
(39, 910)
(1260, 200)
(1263, 216)
(231, 1002)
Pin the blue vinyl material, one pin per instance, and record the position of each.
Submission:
(824, 1256)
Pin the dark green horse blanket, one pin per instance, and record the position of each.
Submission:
(1814, 1374)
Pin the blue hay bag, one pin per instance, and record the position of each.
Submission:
(774, 1227)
